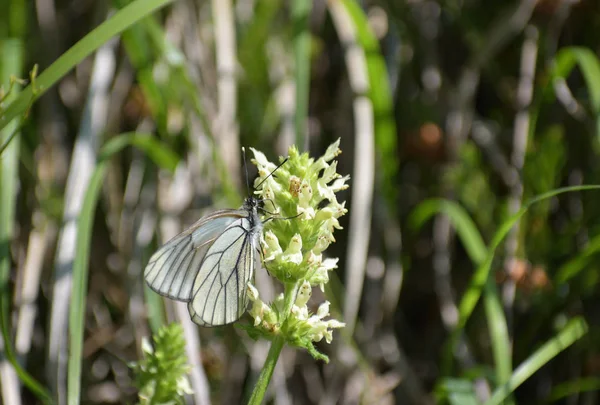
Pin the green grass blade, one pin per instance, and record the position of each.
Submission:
(589, 64)
(300, 20)
(477, 251)
(122, 20)
(560, 391)
(500, 338)
(574, 330)
(80, 276)
(164, 158)
(11, 52)
(473, 293)
(460, 219)
(576, 265)
(457, 391)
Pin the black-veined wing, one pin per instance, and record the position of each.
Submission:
(219, 292)
(172, 270)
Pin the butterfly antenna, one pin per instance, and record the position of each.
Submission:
(270, 174)
(246, 169)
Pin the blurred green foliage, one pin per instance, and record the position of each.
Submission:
(439, 74)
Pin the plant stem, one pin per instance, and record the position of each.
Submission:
(267, 372)
(289, 297)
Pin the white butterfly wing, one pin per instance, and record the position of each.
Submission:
(172, 270)
(219, 292)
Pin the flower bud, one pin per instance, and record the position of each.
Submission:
(293, 253)
(304, 293)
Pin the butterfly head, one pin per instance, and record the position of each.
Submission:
(253, 205)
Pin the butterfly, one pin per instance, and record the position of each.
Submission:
(210, 264)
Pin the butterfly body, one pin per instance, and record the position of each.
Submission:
(210, 264)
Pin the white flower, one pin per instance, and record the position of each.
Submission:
(323, 329)
(293, 253)
(259, 310)
(339, 184)
(301, 313)
(323, 242)
(329, 174)
(271, 248)
(305, 201)
(183, 386)
(332, 223)
(252, 292)
(321, 275)
(323, 310)
(267, 193)
(303, 192)
(332, 151)
(304, 293)
(261, 161)
(335, 324)
(146, 346)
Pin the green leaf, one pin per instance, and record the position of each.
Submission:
(164, 158)
(480, 277)
(461, 221)
(119, 22)
(457, 391)
(574, 330)
(156, 150)
(11, 60)
(477, 251)
(80, 276)
(588, 62)
(577, 264)
(560, 391)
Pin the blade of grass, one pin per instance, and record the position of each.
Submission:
(122, 20)
(458, 391)
(576, 265)
(500, 338)
(11, 62)
(477, 251)
(164, 158)
(156, 151)
(560, 391)
(77, 307)
(83, 159)
(464, 225)
(480, 277)
(589, 63)
(8, 186)
(573, 331)
(300, 21)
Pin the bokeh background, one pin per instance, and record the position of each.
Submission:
(452, 116)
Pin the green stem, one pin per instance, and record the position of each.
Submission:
(267, 372)
(289, 297)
